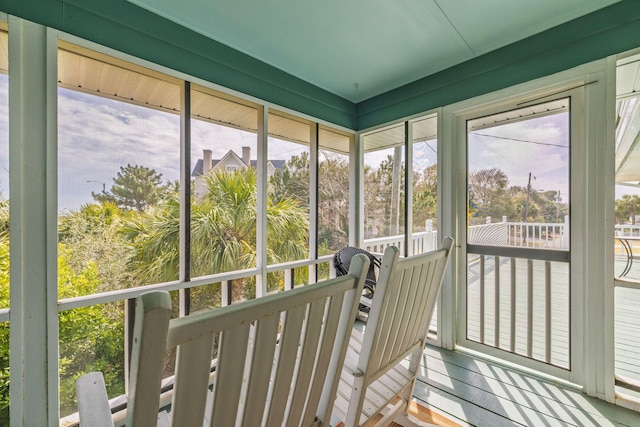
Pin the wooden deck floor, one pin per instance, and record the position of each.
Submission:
(627, 321)
(559, 300)
(472, 392)
(627, 327)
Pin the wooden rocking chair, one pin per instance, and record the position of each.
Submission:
(278, 359)
(380, 370)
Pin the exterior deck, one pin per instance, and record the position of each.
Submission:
(470, 391)
(519, 334)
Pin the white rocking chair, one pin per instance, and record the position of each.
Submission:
(381, 366)
(278, 359)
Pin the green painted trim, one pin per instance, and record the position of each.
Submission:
(602, 33)
(125, 27)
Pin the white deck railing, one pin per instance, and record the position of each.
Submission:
(423, 241)
(516, 302)
(512, 234)
(627, 230)
(495, 280)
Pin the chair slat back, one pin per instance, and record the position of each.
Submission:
(401, 308)
(278, 357)
(153, 311)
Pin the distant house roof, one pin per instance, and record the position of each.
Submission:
(197, 170)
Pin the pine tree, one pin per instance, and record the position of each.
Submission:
(135, 187)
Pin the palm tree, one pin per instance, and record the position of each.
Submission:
(223, 230)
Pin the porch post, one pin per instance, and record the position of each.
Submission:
(409, 247)
(356, 191)
(599, 224)
(261, 200)
(451, 221)
(313, 199)
(33, 217)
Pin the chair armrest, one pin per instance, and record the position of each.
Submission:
(93, 403)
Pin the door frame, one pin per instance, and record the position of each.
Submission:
(592, 181)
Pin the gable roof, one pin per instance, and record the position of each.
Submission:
(197, 170)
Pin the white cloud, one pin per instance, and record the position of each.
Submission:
(96, 136)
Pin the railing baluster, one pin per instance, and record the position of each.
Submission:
(482, 298)
(529, 307)
(521, 233)
(129, 323)
(512, 343)
(288, 279)
(226, 292)
(547, 311)
(313, 274)
(546, 236)
(496, 300)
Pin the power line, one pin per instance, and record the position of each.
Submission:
(521, 140)
(432, 149)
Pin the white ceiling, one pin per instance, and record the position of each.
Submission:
(361, 48)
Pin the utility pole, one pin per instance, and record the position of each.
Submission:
(526, 206)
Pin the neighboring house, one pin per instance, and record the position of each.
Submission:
(230, 162)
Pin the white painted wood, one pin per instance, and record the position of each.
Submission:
(153, 311)
(286, 358)
(263, 350)
(408, 188)
(95, 408)
(529, 308)
(448, 210)
(232, 354)
(226, 292)
(512, 322)
(375, 371)
(193, 365)
(473, 389)
(547, 312)
(33, 211)
(288, 279)
(482, 297)
(595, 336)
(356, 191)
(591, 173)
(306, 360)
(496, 304)
(278, 357)
(313, 196)
(122, 294)
(261, 200)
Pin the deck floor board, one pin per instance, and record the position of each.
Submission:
(484, 394)
(626, 322)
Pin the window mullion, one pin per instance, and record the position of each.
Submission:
(185, 196)
(313, 200)
(408, 189)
